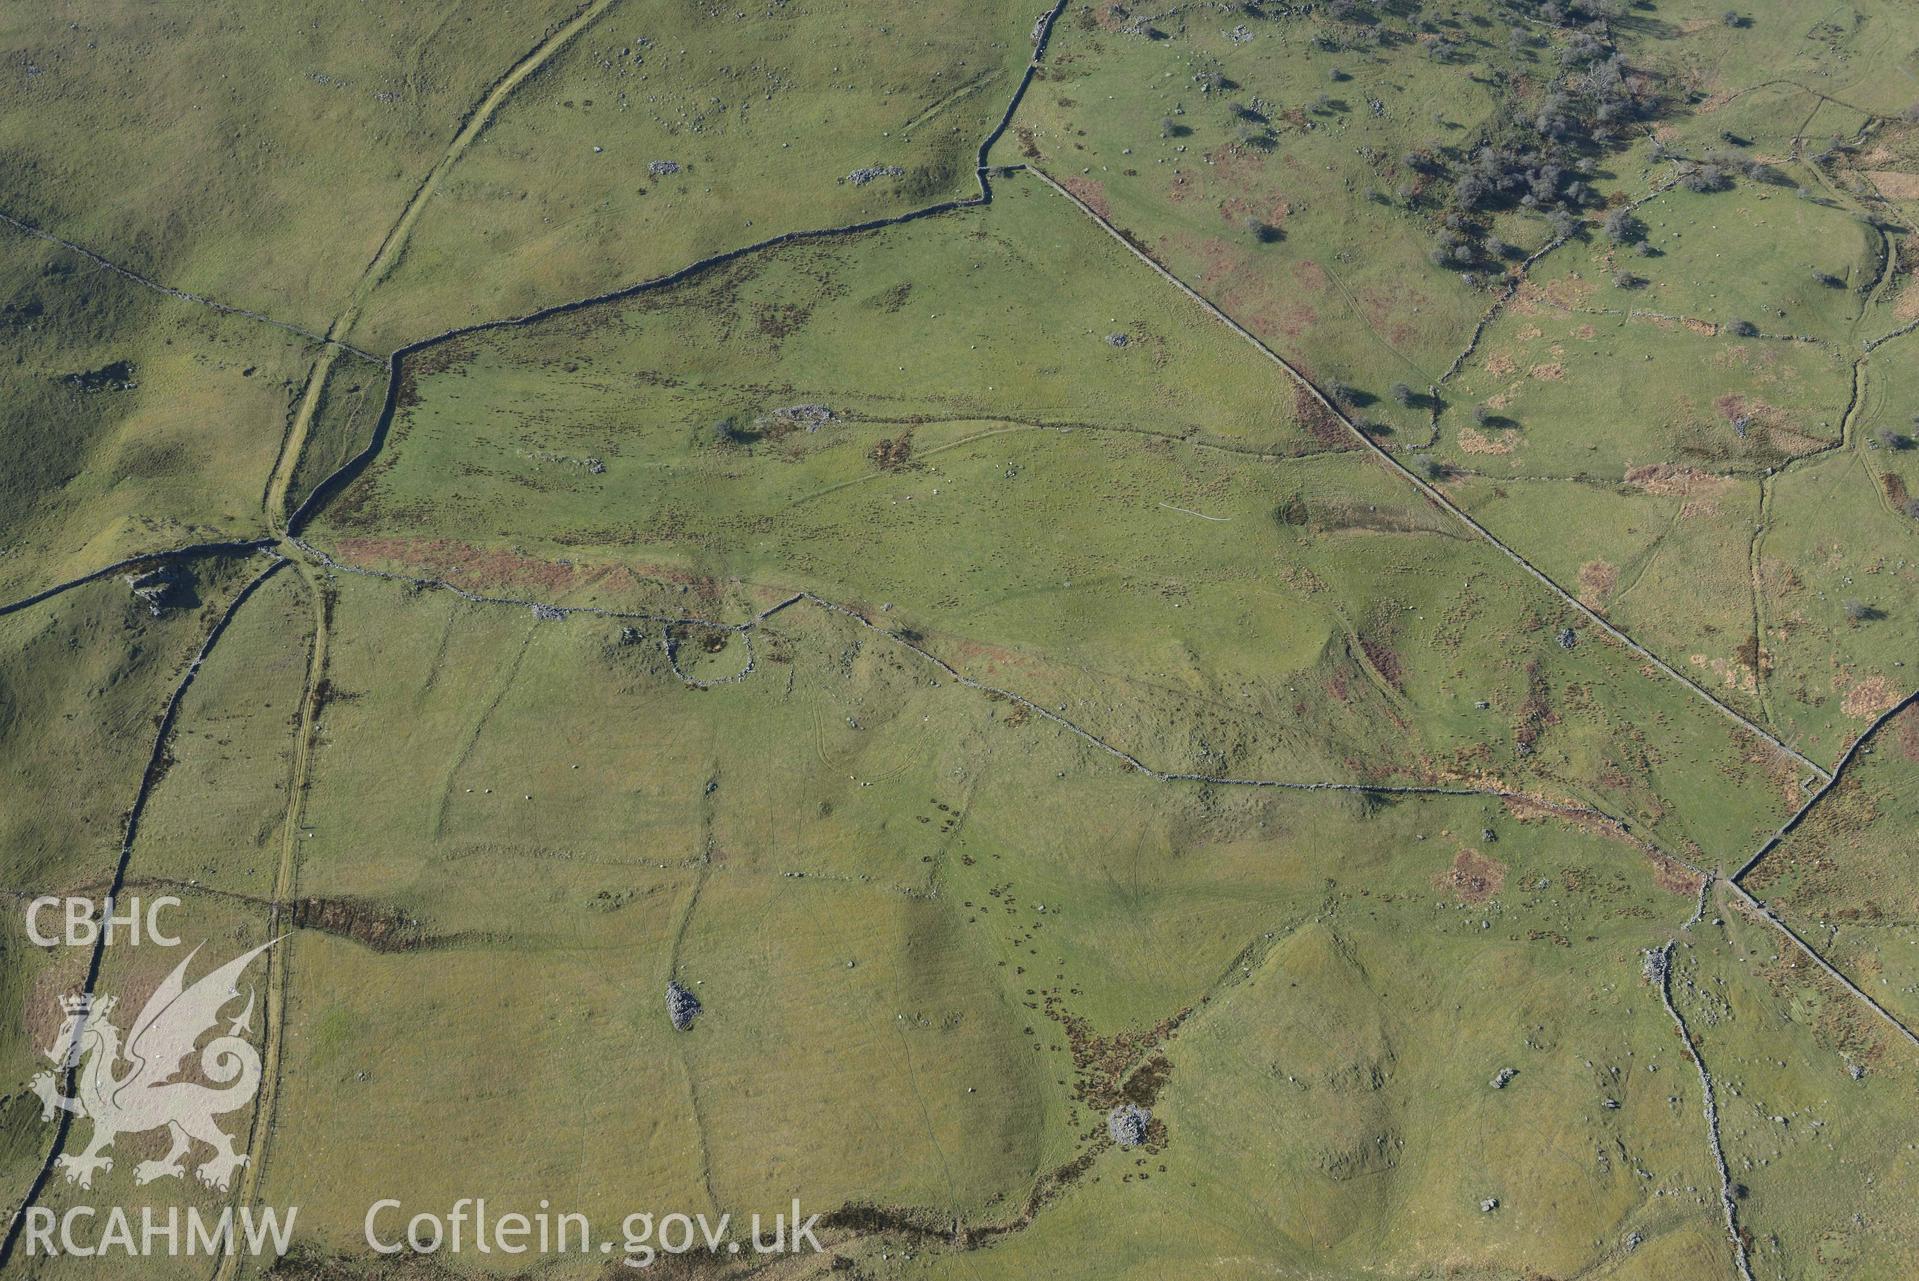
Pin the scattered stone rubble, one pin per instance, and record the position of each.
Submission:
(1567, 638)
(1504, 1077)
(1658, 961)
(117, 376)
(548, 613)
(1118, 340)
(860, 177)
(1127, 1124)
(681, 1006)
(155, 588)
(661, 168)
(811, 417)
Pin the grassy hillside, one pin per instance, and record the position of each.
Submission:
(993, 690)
(129, 421)
(256, 155)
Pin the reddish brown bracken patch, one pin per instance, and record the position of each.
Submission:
(499, 569)
(1674, 877)
(1384, 660)
(1597, 579)
(1895, 486)
(1317, 420)
(892, 453)
(1474, 877)
(1093, 193)
(1868, 698)
(1905, 727)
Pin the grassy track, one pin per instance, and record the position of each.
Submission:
(394, 245)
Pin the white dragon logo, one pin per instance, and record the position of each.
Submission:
(145, 1096)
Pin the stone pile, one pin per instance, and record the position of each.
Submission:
(681, 1006)
(1127, 1124)
(155, 587)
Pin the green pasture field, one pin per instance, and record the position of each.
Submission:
(84, 679)
(1331, 272)
(1787, 543)
(1820, 1161)
(1790, 266)
(1576, 391)
(1887, 433)
(1843, 878)
(767, 112)
(1330, 1110)
(214, 824)
(1841, 572)
(1001, 532)
(1796, 576)
(1782, 70)
(1631, 550)
(341, 426)
(869, 977)
(994, 688)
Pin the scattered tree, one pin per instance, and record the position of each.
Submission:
(1261, 230)
(1705, 178)
(1621, 227)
